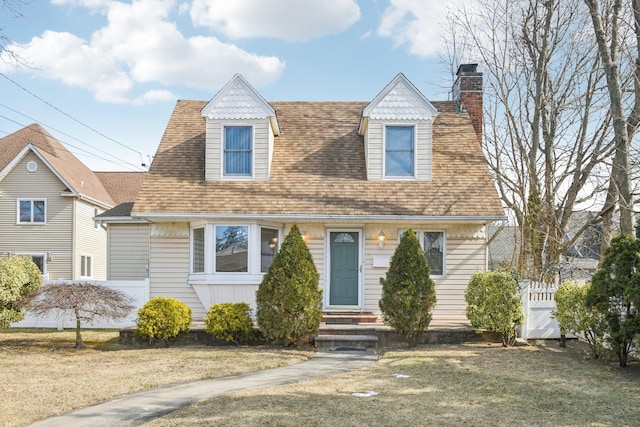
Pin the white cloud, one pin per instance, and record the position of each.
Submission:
(140, 45)
(416, 24)
(292, 20)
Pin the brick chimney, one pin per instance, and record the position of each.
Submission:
(467, 92)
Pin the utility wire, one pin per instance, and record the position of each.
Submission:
(64, 148)
(67, 135)
(69, 116)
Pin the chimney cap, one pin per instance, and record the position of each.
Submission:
(467, 68)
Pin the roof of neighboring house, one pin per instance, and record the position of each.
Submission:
(68, 167)
(122, 186)
(318, 169)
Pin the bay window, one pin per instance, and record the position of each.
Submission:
(433, 244)
(227, 253)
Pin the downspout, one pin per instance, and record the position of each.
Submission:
(73, 239)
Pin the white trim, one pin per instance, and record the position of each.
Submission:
(83, 264)
(415, 152)
(30, 199)
(223, 175)
(327, 276)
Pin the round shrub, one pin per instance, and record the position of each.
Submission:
(494, 303)
(163, 319)
(229, 322)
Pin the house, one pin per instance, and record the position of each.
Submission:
(232, 175)
(48, 199)
(580, 261)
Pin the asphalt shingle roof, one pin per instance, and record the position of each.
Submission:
(319, 168)
(69, 167)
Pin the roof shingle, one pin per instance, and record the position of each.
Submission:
(318, 168)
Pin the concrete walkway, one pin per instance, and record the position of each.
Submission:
(139, 407)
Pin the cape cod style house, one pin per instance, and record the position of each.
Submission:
(48, 199)
(232, 175)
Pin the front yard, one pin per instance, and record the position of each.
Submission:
(41, 375)
(446, 385)
(467, 384)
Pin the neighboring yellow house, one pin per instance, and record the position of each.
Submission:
(232, 175)
(48, 201)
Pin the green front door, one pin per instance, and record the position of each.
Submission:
(344, 259)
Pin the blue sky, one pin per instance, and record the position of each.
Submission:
(103, 76)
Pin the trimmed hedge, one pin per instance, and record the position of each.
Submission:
(230, 322)
(163, 319)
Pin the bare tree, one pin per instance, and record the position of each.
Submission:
(547, 121)
(12, 8)
(616, 25)
(88, 302)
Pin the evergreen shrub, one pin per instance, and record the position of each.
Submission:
(408, 293)
(615, 292)
(575, 317)
(229, 322)
(289, 299)
(163, 319)
(494, 303)
(19, 277)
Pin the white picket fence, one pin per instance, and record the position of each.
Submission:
(138, 290)
(538, 300)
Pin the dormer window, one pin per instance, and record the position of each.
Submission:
(399, 152)
(238, 148)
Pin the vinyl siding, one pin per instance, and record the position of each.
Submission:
(262, 147)
(169, 266)
(465, 254)
(374, 146)
(128, 251)
(89, 241)
(56, 235)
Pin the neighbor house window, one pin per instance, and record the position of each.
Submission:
(237, 150)
(198, 250)
(399, 151)
(232, 244)
(433, 244)
(86, 266)
(38, 260)
(268, 247)
(31, 211)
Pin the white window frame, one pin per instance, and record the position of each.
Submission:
(192, 252)
(36, 254)
(29, 199)
(254, 274)
(415, 152)
(420, 234)
(223, 170)
(86, 260)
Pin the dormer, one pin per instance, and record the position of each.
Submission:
(397, 128)
(240, 131)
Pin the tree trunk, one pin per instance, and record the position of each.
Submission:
(79, 343)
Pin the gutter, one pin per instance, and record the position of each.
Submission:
(313, 218)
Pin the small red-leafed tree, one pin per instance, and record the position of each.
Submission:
(88, 302)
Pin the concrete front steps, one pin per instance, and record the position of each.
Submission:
(374, 335)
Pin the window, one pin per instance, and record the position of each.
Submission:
(31, 211)
(268, 247)
(198, 250)
(232, 245)
(237, 150)
(399, 151)
(86, 266)
(433, 244)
